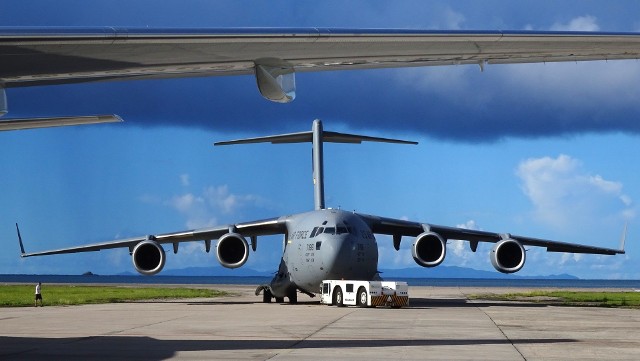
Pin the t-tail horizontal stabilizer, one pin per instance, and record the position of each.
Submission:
(317, 136)
(307, 137)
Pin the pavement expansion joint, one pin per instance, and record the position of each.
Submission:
(116, 332)
(295, 344)
(503, 334)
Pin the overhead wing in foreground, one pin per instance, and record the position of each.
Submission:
(507, 256)
(232, 248)
(31, 123)
(57, 55)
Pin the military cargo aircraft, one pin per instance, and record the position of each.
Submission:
(326, 243)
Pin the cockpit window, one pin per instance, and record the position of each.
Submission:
(316, 231)
(350, 229)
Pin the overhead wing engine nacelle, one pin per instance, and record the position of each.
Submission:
(508, 256)
(429, 249)
(232, 250)
(148, 257)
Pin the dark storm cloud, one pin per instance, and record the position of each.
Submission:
(456, 105)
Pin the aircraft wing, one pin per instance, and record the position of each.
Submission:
(247, 229)
(57, 55)
(32, 123)
(398, 228)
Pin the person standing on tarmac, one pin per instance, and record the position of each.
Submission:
(38, 295)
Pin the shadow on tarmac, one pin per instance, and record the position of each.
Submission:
(461, 302)
(142, 347)
(415, 303)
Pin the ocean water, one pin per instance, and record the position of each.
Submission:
(443, 282)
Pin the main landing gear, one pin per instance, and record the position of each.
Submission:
(267, 295)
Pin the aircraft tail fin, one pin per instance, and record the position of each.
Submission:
(317, 136)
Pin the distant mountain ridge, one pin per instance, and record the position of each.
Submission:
(462, 272)
(215, 271)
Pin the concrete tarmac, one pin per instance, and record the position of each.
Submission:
(441, 324)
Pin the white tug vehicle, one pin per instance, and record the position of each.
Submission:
(365, 293)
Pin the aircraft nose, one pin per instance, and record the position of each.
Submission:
(336, 255)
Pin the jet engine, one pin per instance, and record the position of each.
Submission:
(429, 249)
(148, 257)
(232, 250)
(508, 256)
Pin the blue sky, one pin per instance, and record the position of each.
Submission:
(545, 150)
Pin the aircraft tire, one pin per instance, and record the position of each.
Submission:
(293, 297)
(266, 295)
(362, 297)
(280, 299)
(338, 298)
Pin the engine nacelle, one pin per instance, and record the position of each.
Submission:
(232, 250)
(429, 249)
(508, 256)
(148, 257)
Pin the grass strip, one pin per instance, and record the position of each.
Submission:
(66, 295)
(570, 298)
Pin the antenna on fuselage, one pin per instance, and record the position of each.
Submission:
(317, 136)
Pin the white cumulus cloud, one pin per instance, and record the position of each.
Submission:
(564, 194)
(461, 248)
(581, 23)
(185, 180)
(453, 19)
(206, 208)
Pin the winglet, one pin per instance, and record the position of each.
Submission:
(22, 252)
(624, 237)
